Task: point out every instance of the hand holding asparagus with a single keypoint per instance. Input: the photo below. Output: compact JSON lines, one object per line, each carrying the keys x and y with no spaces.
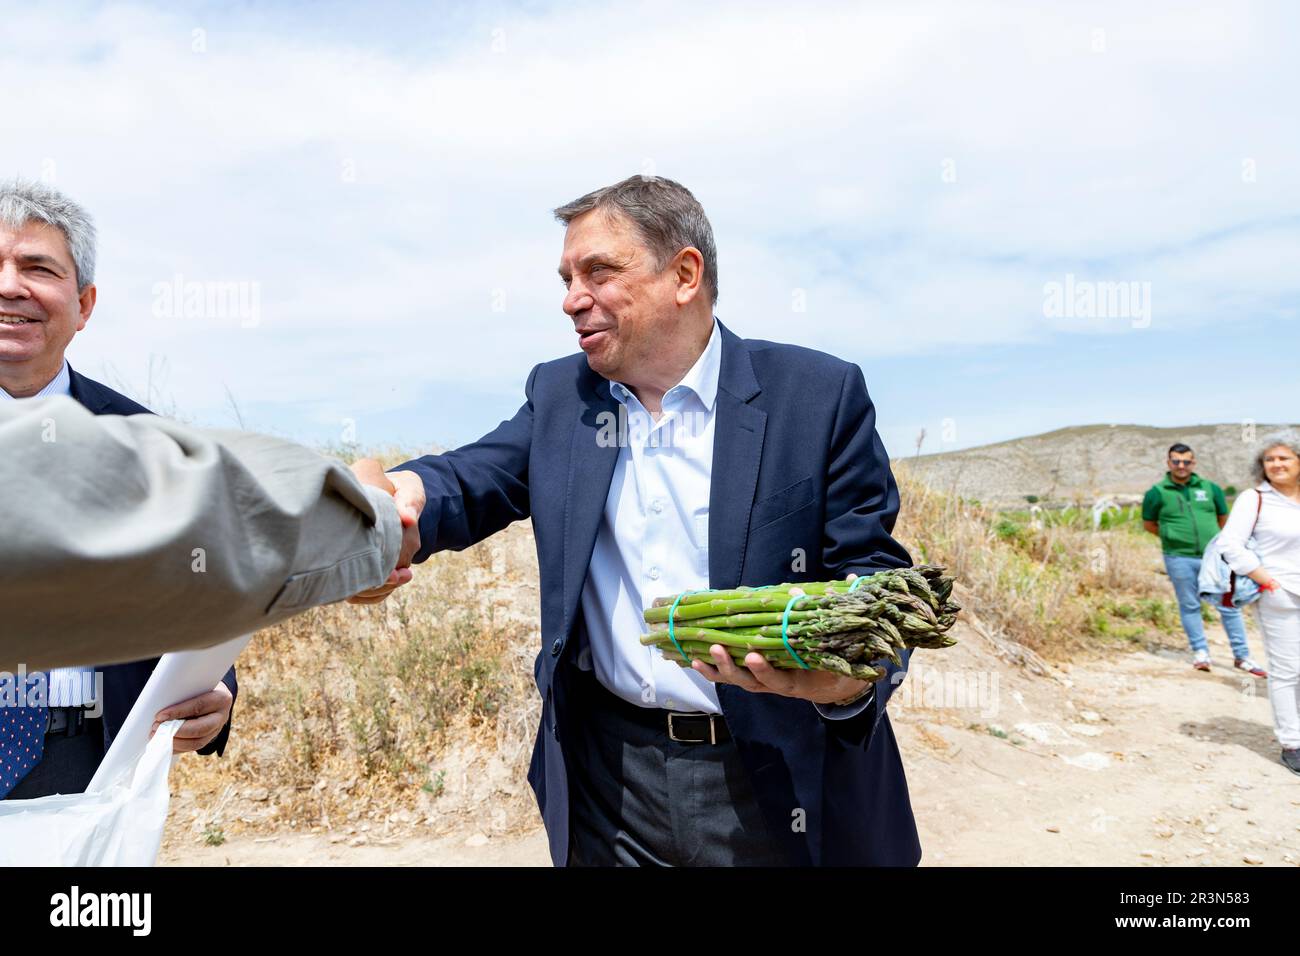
{"x":837,"y":626}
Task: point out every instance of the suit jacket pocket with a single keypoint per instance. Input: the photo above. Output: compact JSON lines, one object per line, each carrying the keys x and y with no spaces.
{"x":780,"y":504}
{"x":308,"y":589}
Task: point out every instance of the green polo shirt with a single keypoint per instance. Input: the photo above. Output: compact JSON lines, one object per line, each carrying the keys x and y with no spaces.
{"x":1188,"y":514}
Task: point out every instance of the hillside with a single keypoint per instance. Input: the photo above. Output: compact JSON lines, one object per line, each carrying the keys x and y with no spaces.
{"x":1084,"y":462}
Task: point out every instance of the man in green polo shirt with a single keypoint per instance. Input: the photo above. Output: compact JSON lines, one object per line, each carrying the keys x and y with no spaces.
{"x":1185,"y":511}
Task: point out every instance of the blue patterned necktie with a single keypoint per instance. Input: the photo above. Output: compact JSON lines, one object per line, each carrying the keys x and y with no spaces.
{"x":22,"y":730}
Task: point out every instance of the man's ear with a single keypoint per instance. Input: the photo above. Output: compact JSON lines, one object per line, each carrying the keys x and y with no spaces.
{"x":86,"y":302}
{"x":688,"y":269}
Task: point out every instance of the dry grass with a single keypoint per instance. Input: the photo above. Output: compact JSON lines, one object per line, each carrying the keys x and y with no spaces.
{"x":349,"y":713}
{"x":1053,"y":586}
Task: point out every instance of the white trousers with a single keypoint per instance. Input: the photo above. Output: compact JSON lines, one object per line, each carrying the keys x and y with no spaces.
{"x":1278,"y":616}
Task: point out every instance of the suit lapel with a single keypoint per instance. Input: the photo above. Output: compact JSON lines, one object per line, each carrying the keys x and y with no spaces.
{"x":86,"y":393}
{"x":592,"y":457}
{"x":737,"y":450}
{"x":738,"y":432}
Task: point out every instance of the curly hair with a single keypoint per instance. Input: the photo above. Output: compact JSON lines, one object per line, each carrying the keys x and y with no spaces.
{"x":1287,"y":438}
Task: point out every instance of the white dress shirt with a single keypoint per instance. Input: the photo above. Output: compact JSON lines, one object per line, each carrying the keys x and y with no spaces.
{"x":653,"y":541}
{"x":68,"y":686}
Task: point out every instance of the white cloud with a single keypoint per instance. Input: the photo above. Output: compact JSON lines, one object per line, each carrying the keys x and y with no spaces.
{"x":384,"y":198}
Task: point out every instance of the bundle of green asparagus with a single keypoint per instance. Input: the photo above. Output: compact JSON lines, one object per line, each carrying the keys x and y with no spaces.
{"x":839,"y":626}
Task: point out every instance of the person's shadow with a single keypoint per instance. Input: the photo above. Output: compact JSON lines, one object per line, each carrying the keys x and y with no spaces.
{"x":1248,"y":734}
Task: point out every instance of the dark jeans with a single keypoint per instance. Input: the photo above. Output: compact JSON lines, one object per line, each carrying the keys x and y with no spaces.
{"x":638,"y":798}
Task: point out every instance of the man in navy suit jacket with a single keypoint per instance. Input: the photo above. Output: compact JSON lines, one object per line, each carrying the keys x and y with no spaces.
{"x":47,"y":294}
{"x":799,"y":489}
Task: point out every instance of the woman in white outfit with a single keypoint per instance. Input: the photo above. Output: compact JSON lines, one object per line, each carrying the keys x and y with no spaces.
{"x":1274,"y":565}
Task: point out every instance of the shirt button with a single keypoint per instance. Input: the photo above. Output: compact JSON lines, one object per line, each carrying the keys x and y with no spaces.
{"x":654,"y":574}
{"x":555,"y":647}
{"x":670,"y":704}
{"x":658,"y":506}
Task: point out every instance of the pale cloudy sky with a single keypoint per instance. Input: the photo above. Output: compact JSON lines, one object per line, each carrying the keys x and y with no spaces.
{"x":895,"y":183}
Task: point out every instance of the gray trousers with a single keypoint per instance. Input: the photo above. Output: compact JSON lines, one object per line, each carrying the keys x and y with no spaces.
{"x":638,"y":798}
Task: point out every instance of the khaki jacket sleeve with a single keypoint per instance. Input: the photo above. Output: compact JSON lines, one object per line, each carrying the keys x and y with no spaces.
{"x":122,"y":538}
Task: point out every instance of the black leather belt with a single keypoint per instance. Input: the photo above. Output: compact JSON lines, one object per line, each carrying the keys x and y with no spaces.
{"x":683,"y":727}
{"x":68,"y":721}
{"x":688,"y":728}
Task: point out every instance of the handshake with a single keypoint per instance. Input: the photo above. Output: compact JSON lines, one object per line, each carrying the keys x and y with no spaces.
{"x":408,"y":494}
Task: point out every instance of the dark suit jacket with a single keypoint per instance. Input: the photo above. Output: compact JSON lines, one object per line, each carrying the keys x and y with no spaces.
{"x":123,"y":682}
{"x":797,"y":463}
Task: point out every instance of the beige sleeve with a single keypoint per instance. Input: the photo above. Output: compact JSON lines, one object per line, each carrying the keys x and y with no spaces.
{"x":125,"y":537}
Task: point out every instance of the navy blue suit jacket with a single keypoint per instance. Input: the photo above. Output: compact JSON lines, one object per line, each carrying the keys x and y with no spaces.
{"x":123,"y":682}
{"x":797,"y":463}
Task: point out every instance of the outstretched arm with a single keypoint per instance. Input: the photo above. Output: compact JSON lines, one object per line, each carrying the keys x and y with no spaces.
{"x":131,"y":536}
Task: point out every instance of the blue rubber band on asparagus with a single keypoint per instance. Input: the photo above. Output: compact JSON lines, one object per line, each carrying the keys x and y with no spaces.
{"x":785,"y":623}
{"x":671,"y":635}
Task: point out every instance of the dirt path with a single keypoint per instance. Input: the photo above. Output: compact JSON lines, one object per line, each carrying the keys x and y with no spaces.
{"x":1139,"y":761}
{"x":315,"y":849}
{"x":1134,"y":761}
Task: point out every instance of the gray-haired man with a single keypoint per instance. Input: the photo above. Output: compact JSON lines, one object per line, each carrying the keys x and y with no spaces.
{"x":47,"y":295}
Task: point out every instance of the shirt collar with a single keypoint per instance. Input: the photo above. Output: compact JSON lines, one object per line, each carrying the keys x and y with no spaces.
{"x":61,"y":384}
{"x":701,"y":380}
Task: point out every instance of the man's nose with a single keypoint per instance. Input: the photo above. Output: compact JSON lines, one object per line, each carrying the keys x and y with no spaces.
{"x":577,"y":298}
{"x":11,"y":285}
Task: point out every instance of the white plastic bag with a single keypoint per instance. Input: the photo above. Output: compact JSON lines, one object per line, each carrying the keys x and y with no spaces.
{"x":120,"y":824}
{"x":119,"y":820}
